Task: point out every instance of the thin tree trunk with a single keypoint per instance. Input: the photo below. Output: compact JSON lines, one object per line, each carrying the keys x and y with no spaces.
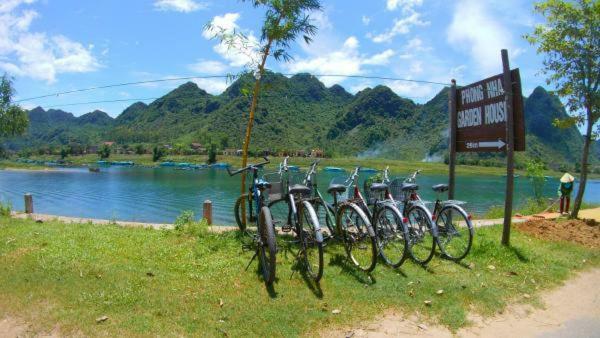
{"x":584,"y":165}
{"x":255,"y":93}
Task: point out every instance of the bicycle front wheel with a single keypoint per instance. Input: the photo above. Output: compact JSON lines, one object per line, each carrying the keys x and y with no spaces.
{"x":237,"y":210}
{"x":455,"y":232}
{"x":267,"y":248}
{"x":391,"y":235}
{"x":358,"y":235}
{"x":311,"y":240}
{"x":420,"y":234}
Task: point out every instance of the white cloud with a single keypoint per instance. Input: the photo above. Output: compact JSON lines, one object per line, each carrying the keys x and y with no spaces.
{"x":401,"y":26}
{"x":35,"y":54}
{"x":208,"y":67}
{"x":213,"y":86}
{"x":366,"y":20}
{"x":406,"y":5}
{"x":477,"y":32}
{"x":346,"y":60}
{"x":185,"y":6}
{"x":238,"y":51}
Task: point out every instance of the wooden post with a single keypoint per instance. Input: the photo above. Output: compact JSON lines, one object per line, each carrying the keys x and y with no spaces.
{"x":510,"y":147}
{"x":452,"y":145}
{"x":207,"y":211}
{"x":28,"y":203}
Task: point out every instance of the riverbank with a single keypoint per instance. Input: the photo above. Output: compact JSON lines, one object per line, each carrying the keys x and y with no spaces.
{"x":105,"y":280}
{"x":396,"y":166}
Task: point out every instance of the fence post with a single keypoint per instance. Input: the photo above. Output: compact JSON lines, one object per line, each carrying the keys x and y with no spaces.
{"x":207,"y":212}
{"x":28,"y":203}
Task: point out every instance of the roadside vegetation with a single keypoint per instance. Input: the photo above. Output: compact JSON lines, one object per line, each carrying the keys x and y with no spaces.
{"x":188,"y":281}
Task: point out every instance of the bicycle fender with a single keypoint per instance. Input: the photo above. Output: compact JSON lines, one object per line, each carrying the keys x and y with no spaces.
{"x":313,"y":215}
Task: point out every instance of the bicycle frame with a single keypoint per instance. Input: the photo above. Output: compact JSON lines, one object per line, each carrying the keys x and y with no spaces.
{"x":254,"y":190}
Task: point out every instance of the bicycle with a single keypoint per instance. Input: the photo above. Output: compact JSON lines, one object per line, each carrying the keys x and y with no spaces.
{"x":300,"y":217}
{"x":264,"y":240}
{"x":452,"y":223}
{"x":345,"y":220}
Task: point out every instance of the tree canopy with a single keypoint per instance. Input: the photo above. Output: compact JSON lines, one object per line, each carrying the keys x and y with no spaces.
{"x":13,"y":119}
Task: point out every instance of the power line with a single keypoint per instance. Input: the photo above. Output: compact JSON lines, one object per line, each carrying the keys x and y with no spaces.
{"x":220,"y":76}
{"x":104,"y":101}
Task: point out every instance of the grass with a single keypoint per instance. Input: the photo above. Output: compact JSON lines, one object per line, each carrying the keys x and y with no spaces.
{"x":171,"y":283}
{"x":396,"y":166}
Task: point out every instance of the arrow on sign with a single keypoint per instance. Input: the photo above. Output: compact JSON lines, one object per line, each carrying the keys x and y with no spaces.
{"x":492,"y":144}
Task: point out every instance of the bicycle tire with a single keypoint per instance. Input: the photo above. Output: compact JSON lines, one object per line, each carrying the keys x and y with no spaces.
{"x":311,"y":240}
{"x":448,"y":231}
{"x":237,"y":210}
{"x":267,"y":246}
{"x":392,"y":235}
{"x":419,"y":226}
{"x":357,"y":231}
{"x":321,"y":208}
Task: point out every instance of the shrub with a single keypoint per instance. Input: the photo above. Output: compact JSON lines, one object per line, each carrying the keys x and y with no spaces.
{"x":185,"y":224}
{"x":5,"y":209}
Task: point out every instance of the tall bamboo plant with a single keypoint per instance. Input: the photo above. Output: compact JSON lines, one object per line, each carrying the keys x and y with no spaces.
{"x":284,"y":22}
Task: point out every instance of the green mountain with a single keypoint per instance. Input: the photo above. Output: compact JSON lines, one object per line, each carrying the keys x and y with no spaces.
{"x":299,"y":113}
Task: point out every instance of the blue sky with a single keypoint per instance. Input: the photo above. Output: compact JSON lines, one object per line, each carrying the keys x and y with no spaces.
{"x":58,"y":45}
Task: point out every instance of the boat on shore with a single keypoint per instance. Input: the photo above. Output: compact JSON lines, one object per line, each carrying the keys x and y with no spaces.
{"x":334,"y":169}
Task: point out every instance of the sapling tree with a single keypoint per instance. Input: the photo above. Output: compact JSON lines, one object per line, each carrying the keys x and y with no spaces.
{"x":570,"y":43}
{"x":284,"y":22}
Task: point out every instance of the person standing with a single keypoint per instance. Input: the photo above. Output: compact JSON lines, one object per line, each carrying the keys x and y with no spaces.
{"x":564,"y":192}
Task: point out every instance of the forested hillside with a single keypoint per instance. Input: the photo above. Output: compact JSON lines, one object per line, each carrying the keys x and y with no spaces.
{"x":297,"y":113}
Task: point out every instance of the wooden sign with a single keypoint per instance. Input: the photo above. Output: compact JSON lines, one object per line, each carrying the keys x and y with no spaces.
{"x":481,"y":115}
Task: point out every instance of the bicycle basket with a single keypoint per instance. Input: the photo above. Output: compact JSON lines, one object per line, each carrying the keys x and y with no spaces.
{"x":277,"y":191}
{"x":371,"y":196}
{"x":395,"y":187}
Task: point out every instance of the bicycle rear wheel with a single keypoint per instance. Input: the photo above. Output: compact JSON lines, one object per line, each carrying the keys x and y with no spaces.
{"x":311,"y":241}
{"x":420,"y":234}
{"x":358,"y":235}
{"x":455,"y":232}
{"x":391,"y":235}
{"x":267,"y":248}
{"x":237,"y":210}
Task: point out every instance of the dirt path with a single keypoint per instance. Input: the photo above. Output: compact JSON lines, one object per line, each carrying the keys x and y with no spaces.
{"x":572,"y":310}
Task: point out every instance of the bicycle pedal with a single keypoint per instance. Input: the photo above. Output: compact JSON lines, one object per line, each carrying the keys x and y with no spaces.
{"x":286,"y":228}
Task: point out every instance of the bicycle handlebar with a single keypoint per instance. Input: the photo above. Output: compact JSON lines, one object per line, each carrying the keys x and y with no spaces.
{"x":250,"y":166}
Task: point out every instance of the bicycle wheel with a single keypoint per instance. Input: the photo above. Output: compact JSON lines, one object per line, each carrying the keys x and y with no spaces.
{"x":358,"y":235}
{"x":420,"y":235}
{"x":455,"y":232}
{"x":237,"y":210}
{"x":311,"y":241}
{"x":281,"y":213}
{"x":321,"y":209}
{"x":391,"y":235}
{"x":267,"y":248}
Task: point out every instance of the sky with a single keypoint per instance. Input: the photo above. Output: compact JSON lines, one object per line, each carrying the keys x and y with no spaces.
{"x":51,"y":46}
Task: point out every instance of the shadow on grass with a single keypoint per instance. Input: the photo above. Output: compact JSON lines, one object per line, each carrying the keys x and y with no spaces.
{"x":519,"y":254}
{"x":350,"y":269}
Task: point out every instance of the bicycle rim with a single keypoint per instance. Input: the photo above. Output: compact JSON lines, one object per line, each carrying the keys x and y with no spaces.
{"x":360,"y":245}
{"x":312,"y":242}
{"x":391,"y":236}
{"x":455,"y":233}
{"x":422,"y":241}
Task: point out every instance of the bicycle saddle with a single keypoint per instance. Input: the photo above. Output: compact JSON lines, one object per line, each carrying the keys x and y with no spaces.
{"x":299,"y":189}
{"x":409,"y":187}
{"x":375,"y":187}
{"x":440,"y":187}
{"x":336,"y":188}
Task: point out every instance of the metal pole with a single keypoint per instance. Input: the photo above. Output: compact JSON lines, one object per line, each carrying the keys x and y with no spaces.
{"x":28,"y":203}
{"x":510,"y":146}
{"x":452,"y":145}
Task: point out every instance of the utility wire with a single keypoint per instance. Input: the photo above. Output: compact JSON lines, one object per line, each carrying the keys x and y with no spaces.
{"x":219,"y":76}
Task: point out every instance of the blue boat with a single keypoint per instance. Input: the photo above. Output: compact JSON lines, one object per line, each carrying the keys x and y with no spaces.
{"x":293,"y":168}
{"x":122,"y":163}
{"x":368,"y":170}
{"x":183,"y":165}
{"x":198,"y":166}
{"x":334,"y":169}
{"x":220,"y":165}
{"x":102,"y":162}
{"x":167,"y":164}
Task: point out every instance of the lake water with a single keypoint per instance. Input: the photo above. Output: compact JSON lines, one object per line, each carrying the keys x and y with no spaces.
{"x":160,"y":194}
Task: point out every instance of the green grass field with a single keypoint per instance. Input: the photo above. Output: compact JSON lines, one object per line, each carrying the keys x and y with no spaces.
{"x":396,"y":166}
{"x":172,"y":283}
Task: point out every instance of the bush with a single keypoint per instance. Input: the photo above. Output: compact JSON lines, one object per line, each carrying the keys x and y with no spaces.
{"x":185,"y":224}
{"x":5,"y":209}
{"x":212,"y":154}
{"x":104,"y":152}
{"x":158,"y":152}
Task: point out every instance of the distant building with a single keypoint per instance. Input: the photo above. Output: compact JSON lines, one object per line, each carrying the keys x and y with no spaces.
{"x":230,"y":152}
{"x":196,"y":146}
{"x":300,"y":153}
{"x":317,"y":153}
{"x":108,"y":143}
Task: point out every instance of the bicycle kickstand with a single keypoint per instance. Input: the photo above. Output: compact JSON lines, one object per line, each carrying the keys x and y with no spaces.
{"x":251,"y":260}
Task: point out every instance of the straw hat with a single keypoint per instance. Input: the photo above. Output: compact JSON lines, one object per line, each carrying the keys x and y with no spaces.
{"x":566,"y":178}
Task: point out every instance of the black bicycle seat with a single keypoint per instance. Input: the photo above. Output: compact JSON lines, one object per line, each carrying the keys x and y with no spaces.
{"x":299,"y":189}
{"x":409,"y":187}
{"x":336,"y":188}
{"x":375,"y":187}
{"x":440,"y":187}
